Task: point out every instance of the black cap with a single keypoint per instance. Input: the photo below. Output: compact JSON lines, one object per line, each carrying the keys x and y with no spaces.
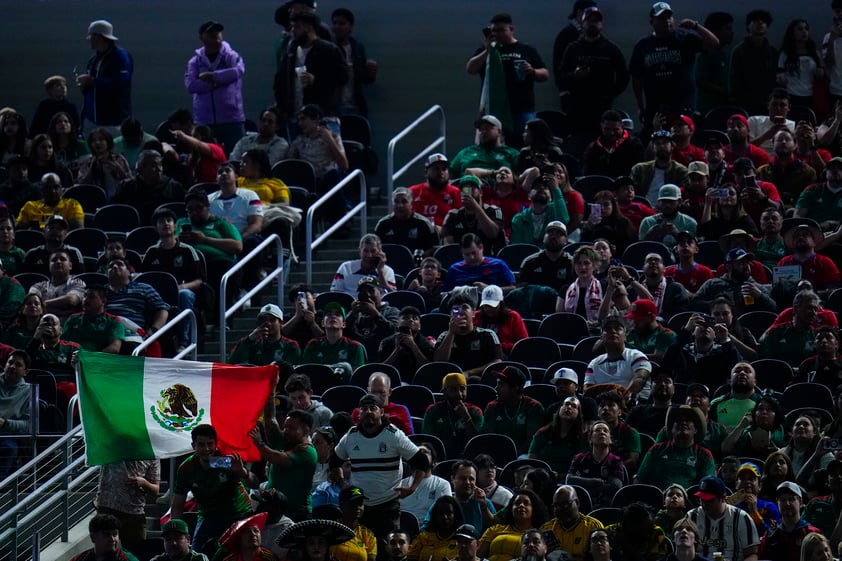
{"x":351,"y":494}
{"x":371,"y":399}
{"x":698,"y":387}
{"x":513,"y":376}
{"x":580,"y":5}
{"x":210,"y":27}
{"x":467,"y":531}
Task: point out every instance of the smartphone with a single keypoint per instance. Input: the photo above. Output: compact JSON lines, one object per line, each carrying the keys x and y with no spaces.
{"x":187,"y":228}
{"x":779,"y":120}
{"x":596,"y":210}
{"x":220,"y":462}
{"x":467,"y":190}
{"x":456,"y":311}
{"x":302,"y":297}
{"x":722,"y":193}
{"x":709,"y":322}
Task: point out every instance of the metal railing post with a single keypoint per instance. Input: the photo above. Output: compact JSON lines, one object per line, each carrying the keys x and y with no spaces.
{"x":173,"y":323}
{"x":224,"y":313}
{"x":361,"y":207}
{"x":441,"y":141}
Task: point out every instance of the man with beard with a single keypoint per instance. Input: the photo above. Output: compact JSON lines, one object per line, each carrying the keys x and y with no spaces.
{"x":436,"y":197}
{"x":802,"y":236}
{"x":552,"y":266}
{"x":666,"y":224}
{"x":719,"y":170}
{"x":453,"y":420}
{"x":320,"y":81}
{"x":687,"y":272}
{"x":375,"y":448}
{"x":669,"y":296}
{"x":399,"y":545}
{"x":372,"y":263}
{"x":737,"y":285}
{"x":729,"y":409}
{"x":615,"y":150}
{"x":647,"y":334}
{"x":679,"y":460}
{"x":793,"y":342}
{"x":490,"y":153}
{"x":593,"y":70}
{"x":785,"y":170}
{"x":738,"y":142}
{"x":662,"y":63}
{"x":702,"y":352}
{"x":651,"y":175}
{"x":569,"y":527}
{"x":649,"y":418}
{"x":149,"y":188}
{"x":784,"y":542}
{"x":405,"y":226}
{"x":533,"y":547}
{"x":266,"y":138}
{"x":681,"y":130}
{"x":177,"y":544}
{"x":37,"y":259}
{"x":474,"y":217}
{"x":822,"y":201}
{"x":723,"y":527}
{"x":529,"y":225}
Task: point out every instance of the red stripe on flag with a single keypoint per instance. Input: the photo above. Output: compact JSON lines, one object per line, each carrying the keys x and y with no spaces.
{"x":238,"y":394}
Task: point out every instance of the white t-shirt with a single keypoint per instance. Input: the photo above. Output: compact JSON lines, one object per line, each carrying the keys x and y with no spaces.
{"x":834,"y":72}
{"x":621,"y":372}
{"x":800,"y":83}
{"x":759,"y":124}
{"x":238,"y":208}
{"x":427,"y":492}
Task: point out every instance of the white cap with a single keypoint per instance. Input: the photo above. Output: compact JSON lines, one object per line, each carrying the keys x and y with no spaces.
{"x":565,"y":374}
{"x":492,"y":295}
{"x":271,"y":310}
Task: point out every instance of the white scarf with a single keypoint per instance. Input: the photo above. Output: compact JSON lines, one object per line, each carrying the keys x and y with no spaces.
{"x":658,"y":293}
{"x":593,"y":300}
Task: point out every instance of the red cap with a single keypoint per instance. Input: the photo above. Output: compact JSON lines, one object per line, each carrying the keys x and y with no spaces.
{"x":687,"y":121}
{"x":737,"y":116}
{"x":642,"y":309}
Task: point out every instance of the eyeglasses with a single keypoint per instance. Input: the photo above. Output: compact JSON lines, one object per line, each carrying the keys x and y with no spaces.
{"x":599,"y":539}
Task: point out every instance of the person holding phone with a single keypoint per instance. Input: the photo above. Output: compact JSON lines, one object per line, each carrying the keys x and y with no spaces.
{"x":220,"y":492}
{"x":407,"y":349}
{"x":763,"y":128}
{"x":472,"y":348}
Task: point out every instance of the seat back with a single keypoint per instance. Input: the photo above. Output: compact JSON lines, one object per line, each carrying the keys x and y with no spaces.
{"x":342,"y":398}
{"x":536,"y":351}
{"x":399,"y":257}
{"x":356,"y":128}
{"x":635,"y":254}
{"x":401,"y":298}
{"x":91,"y":197}
{"x":542,"y":393}
{"x":434,"y":324}
{"x":564,"y":327}
{"x":164,"y":283}
{"x":430,"y":375}
{"x":361,"y":375}
{"x":498,"y":446}
{"x":142,"y":238}
{"x":296,"y":172}
{"x":430,"y":440}
{"x":590,"y":185}
{"x":90,"y":241}
{"x":344,"y":300}
{"x":116,"y":218}
{"x":27,"y":239}
{"x":481,"y":395}
{"x":514,"y":254}
{"x":448,"y":254}
{"x":416,"y":398}
{"x":506,"y":476}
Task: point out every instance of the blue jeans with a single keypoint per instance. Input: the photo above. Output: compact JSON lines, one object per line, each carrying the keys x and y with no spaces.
{"x":186,"y":301}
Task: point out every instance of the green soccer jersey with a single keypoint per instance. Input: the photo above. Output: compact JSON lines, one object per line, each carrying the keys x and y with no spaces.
{"x":219,"y":493}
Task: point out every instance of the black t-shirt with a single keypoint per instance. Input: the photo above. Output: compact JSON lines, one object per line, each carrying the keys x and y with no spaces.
{"x":182,"y":262}
{"x":415,"y":233}
{"x":665,"y":64}
{"x":521,"y":91}
{"x":457,"y":223}
{"x":477,"y":348}
{"x":405,"y":361}
{"x":539,"y":269}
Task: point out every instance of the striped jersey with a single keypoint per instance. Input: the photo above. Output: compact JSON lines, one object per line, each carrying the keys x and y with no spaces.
{"x":731,"y":534}
{"x":376,"y":461}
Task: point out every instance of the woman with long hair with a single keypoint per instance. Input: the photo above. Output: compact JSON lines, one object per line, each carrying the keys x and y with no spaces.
{"x":539,"y":144}
{"x":502,"y":542}
{"x":573,"y":199}
{"x":806,"y":451}
{"x":105,"y":167}
{"x":437,"y":539}
{"x":11,"y":256}
{"x":778,"y":468}
{"x":598,"y":470}
{"x":256,"y":174}
{"x":605,"y":251}
{"x":43,"y":160}
{"x":760,"y":431}
{"x":637,"y":537}
{"x":68,"y":147}
{"x":723,"y":213}
{"x":493,"y":314}
{"x":799,"y":63}
{"x":20,"y":332}
{"x":816,"y":547}
{"x":505,"y":191}
{"x":558,"y":442}
{"x":13,"y":140}
{"x":542,"y":482}
{"x":584,"y":295}
{"x":608,"y":223}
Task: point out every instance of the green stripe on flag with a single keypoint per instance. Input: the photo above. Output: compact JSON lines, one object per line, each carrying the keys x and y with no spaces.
{"x":112,"y":407}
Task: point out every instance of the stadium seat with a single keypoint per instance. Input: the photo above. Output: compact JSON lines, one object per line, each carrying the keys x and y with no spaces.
{"x":91,"y":197}
{"x":649,"y":495}
{"x":430,"y":375}
{"x":142,"y":238}
{"x":564,"y":327}
{"x":416,"y":398}
{"x":116,"y":218}
{"x":361,"y":375}
{"x":514,"y":254}
{"x":635,"y":254}
{"x":342,"y":398}
{"x":498,"y":446}
{"x":401,"y":298}
{"x":399,"y":257}
{"x":164,"y":283}
{"x":433,"y":441}
{"x":90,"y":241}
{"x":481,"y":395}
{"x":536,"y":351}
{"x":506,"y":474}
{"x":296,"y":172}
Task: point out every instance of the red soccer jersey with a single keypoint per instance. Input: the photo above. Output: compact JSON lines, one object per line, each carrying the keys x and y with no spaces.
{"x":690,"y":154}
{"x":692,"y":279}
{"x":636,"y":212}
{"x":818,"y":269}
{"x":435,"y":204}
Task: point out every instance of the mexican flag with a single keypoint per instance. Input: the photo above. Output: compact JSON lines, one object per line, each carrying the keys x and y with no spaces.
{"x":494,"y":97}
{"x":139,"y":408}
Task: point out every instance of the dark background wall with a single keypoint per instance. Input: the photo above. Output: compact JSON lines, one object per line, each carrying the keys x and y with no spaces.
{"x":421,"y":48}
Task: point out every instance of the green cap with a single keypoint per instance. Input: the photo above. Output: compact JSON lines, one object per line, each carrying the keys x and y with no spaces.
{"x":335,"y":307}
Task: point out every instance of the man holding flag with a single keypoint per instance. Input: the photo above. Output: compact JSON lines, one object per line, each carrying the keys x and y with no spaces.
{"x":165,"y":408}
{"x":509,"y":69}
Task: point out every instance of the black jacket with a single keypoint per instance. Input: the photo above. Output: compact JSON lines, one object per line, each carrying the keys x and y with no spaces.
{"x":326,"y":62}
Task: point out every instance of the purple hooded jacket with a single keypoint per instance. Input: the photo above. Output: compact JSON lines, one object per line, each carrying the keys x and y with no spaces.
{"x":220,"y":101}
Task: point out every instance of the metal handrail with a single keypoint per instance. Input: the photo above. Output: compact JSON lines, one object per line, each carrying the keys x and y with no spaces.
{"x":361,"y":207}
{"x":171,"y":324}
{"x":223,"y":285}
{"x":391,"y":174}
